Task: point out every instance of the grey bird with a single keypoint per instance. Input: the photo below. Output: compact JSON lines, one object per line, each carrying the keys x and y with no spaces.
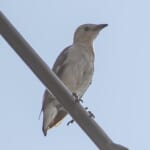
{"x":75,"y":67}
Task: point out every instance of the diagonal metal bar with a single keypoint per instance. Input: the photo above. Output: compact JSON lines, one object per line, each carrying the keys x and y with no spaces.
{"x":50,"y":80}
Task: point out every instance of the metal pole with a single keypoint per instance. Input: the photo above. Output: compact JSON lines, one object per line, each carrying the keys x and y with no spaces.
{"x":52,"y":82}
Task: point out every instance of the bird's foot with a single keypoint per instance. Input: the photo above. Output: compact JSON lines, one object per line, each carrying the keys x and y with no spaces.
{"x":77,"y":99}
{"x":70,"y":122}
{"x":91,"y":115}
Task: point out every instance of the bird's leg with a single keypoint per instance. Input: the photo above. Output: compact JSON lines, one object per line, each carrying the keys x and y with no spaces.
{"x":91,"y":115}
{"x":77,"y":99}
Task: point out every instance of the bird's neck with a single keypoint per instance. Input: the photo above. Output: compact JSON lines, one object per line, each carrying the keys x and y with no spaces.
{"x":86,"y":46}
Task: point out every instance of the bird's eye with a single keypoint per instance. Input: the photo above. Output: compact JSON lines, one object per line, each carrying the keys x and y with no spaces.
{"x":86,"y":29}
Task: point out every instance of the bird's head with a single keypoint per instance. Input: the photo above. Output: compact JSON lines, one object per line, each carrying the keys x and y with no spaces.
{"x":86,"y":33}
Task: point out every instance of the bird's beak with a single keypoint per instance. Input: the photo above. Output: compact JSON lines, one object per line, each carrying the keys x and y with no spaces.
{"x":100,"y":26}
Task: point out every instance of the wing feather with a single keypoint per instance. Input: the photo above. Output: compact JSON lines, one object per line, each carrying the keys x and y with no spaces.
{"x":60,"y":65}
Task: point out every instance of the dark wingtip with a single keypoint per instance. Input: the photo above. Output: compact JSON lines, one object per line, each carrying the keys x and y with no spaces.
{"x":44,"y":131}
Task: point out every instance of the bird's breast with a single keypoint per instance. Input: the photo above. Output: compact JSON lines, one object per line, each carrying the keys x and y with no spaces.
{"x":78,"y":71}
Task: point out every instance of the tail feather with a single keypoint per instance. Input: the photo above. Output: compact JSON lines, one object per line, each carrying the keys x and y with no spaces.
{"x":49,"y":114}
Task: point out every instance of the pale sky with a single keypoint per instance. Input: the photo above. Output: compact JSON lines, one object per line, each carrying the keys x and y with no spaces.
{"x":120,"y":93}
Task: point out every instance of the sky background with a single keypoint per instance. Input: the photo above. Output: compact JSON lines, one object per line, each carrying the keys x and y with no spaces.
{"x":120,"y":93}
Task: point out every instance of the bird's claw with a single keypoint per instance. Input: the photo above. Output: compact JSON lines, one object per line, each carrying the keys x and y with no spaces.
{"x":77,"y":99}
{"x":70,"y":122}
{"x":91,"y":115}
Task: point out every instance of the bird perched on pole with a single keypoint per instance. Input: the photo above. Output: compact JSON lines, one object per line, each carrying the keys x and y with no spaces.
{"x":75,"y":67}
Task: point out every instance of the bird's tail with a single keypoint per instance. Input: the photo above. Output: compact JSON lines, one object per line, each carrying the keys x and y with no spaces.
{"x":49,"y":114}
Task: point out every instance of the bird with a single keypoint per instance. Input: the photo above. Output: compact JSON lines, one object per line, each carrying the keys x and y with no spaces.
{"x":74,"y":67}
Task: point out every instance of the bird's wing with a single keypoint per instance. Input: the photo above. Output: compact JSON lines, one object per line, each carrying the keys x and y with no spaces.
{"x":58,"y":68}
{"x":48,"y":97}
{"x":60,"y":116}
{"x":60,"y":62}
